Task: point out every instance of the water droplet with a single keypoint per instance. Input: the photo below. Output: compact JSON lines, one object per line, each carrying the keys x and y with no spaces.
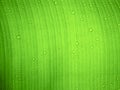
{"x":55,"y":2}
{"x":111,"y":84}
{"x":117,"y":78}
{"x":97,"y":39}
{"x":77,"y":43}
{"x":18,"y":36}
{"x":91,"y":30}
{"x":77,"y":89}
{"x":13,"y":82}
{"x":103,"y":85}
{"x":82,"y":19}
{"x":91,"y":5}
{"x":91,"y":47}
{"x":44,"y":52}
{"x":84,"y":4}
{"x":22,"y":7}
{"x":39,"y":1}
{"x":73,"y":51}
{"x":30,"y":22}
{"x":33,"y":58}
{"x":105,"y":18}
{"x":16,"y":76}
{"x":73,"y":12}
{"x":9,"y":10}
{"x":87,"y":16}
